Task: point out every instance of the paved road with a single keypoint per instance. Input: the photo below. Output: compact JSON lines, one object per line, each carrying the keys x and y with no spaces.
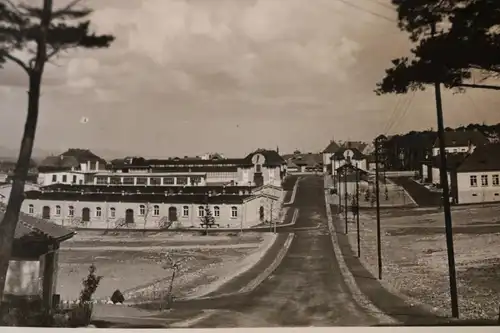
{"x":307,"y":289}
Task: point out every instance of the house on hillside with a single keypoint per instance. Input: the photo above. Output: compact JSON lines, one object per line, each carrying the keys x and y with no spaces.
{"x":460,"y":142}
{"x":32,"y":271}
{"x":477,"y":179}
{"x":71,"y":167}
{"x":327,"y":154}
{"x":348,"y":155}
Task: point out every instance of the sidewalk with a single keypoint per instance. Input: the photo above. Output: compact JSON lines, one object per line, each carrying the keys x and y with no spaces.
{"x":371,"y":287}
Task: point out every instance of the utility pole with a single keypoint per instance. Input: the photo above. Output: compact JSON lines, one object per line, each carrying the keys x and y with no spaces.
{"x":377,"y":196}
{"x":345,"y":197}
{"x":446,"y":195}
{"x":357,"y":211}
{"x":339,"y":191}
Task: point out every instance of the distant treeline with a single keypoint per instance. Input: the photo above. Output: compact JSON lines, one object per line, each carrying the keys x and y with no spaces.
{"x":407,"y":151}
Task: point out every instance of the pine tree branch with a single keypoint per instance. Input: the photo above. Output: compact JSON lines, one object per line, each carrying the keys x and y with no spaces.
{"x":478,"y":86}
{"x":16,"y":60}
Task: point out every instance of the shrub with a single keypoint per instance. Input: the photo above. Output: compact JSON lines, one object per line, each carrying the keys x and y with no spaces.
{"x":117,"y":297}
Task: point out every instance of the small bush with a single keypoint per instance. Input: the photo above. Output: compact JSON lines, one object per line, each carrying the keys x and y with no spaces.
{"x":117,"y":297}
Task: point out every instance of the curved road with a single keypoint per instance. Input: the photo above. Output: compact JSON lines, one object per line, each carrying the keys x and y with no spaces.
{"x":307,"y":289}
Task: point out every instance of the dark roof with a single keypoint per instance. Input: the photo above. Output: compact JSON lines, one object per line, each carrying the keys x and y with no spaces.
{"x":331,"y":148}
{"x":150,"y":198}
{"x":29,"y":227}
{"x":484,"y":158}
{"x":273,"y":158}
{"x":144,"y":189}
{"x":58,"y":163}
{"x":82,"y":155}
{"x":354,"y":144}
{"x":463,"y":138}
{"x":453,"y":161}
{"x":307,"y":159}
{"x":175,"y":164}
{"x":351,"y":168}
{"x":339,"y":154}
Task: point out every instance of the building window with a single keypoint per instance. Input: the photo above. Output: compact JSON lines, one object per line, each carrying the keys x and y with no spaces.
{"x":71,"y":211}
{"x":142,"y":181}
{"x":101,"y":180}
{"x":473,"y":181}
{"x":98,"y":212}
{"x":155,"y":181}
{"x":58,"y":210}
{"x":31,"y":209}
{"x":156,"y":210}
{"x":216,"y":211}
{"x":116,"y":180}
{"x":495,"y":180}
{"x":484,"y":180}
{"x":201,"y":211}
{"x":54,"y":178}
{"x":182,"y":180}
{"x":112,"y":212}
{"x":64,"y":178}
{"x":185,"y":211}
{"x":128,"y":180}
{"x":168,"y":181}
{"x":195,"y":180}
{"x":74,"y":179}
{"x":142,"y":210}
{"x":234,"y":211}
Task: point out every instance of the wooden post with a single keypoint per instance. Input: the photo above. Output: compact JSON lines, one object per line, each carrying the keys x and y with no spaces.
{"x":49,"y":274}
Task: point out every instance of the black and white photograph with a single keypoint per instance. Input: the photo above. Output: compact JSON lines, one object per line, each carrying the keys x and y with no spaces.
{"x":187,"y":164}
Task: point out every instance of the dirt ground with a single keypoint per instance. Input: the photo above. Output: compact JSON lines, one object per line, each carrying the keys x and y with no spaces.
{"x":415,"y":258}
{"x":133,"y":263}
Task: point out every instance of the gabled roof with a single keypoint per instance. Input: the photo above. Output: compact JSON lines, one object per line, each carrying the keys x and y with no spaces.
{"x":354,"y":144}
{"x":462,"y":139}
{"x":331,"y":148}
{"x":29,"y":227}
{"x":272,"y":157}
{"x":453,"y":161}
{"x":339,"y":155}
{"x":484,"y":158}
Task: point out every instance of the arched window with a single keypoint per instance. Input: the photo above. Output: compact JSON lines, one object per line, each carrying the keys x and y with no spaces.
{"x":234,"y":211}
{"x":71,"y":211}
{"x":31,"y":209}
{"x":156,"y":210}
{"x":98,"y":212}
{"x":216,"y":211}
{"x":185,"y":211}
{"x":112,"y":212}
{"x":201,"y":211}
{"x":142,"y":210}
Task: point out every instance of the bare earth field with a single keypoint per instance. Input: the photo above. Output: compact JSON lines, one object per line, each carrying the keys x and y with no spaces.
{"x":415,"y":260}
{"x":133,"y":263}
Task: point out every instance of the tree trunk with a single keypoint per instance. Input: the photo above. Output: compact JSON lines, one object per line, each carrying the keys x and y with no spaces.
{"x":11,"y":216}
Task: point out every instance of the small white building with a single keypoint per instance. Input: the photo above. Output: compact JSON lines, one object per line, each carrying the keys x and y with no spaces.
{"x":477,"y":179}
{"x":460,"y":142}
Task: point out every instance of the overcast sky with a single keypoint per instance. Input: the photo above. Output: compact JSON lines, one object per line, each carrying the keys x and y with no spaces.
{"x":186,"y":77}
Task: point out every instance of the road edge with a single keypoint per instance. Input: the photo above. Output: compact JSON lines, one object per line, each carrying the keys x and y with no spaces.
{"x":349,"y":279}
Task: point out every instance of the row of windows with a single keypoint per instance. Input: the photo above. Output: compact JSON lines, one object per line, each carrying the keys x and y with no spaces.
{"x":143,"y":211}
{"x":64,"y":178}
{"x":103,"y":180}
{"x":495,"y":180}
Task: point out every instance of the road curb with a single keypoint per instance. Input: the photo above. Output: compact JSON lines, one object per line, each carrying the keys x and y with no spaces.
{"x":349,"y":279}
{"x":294,"y":193}
{"x":270,"y":269}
